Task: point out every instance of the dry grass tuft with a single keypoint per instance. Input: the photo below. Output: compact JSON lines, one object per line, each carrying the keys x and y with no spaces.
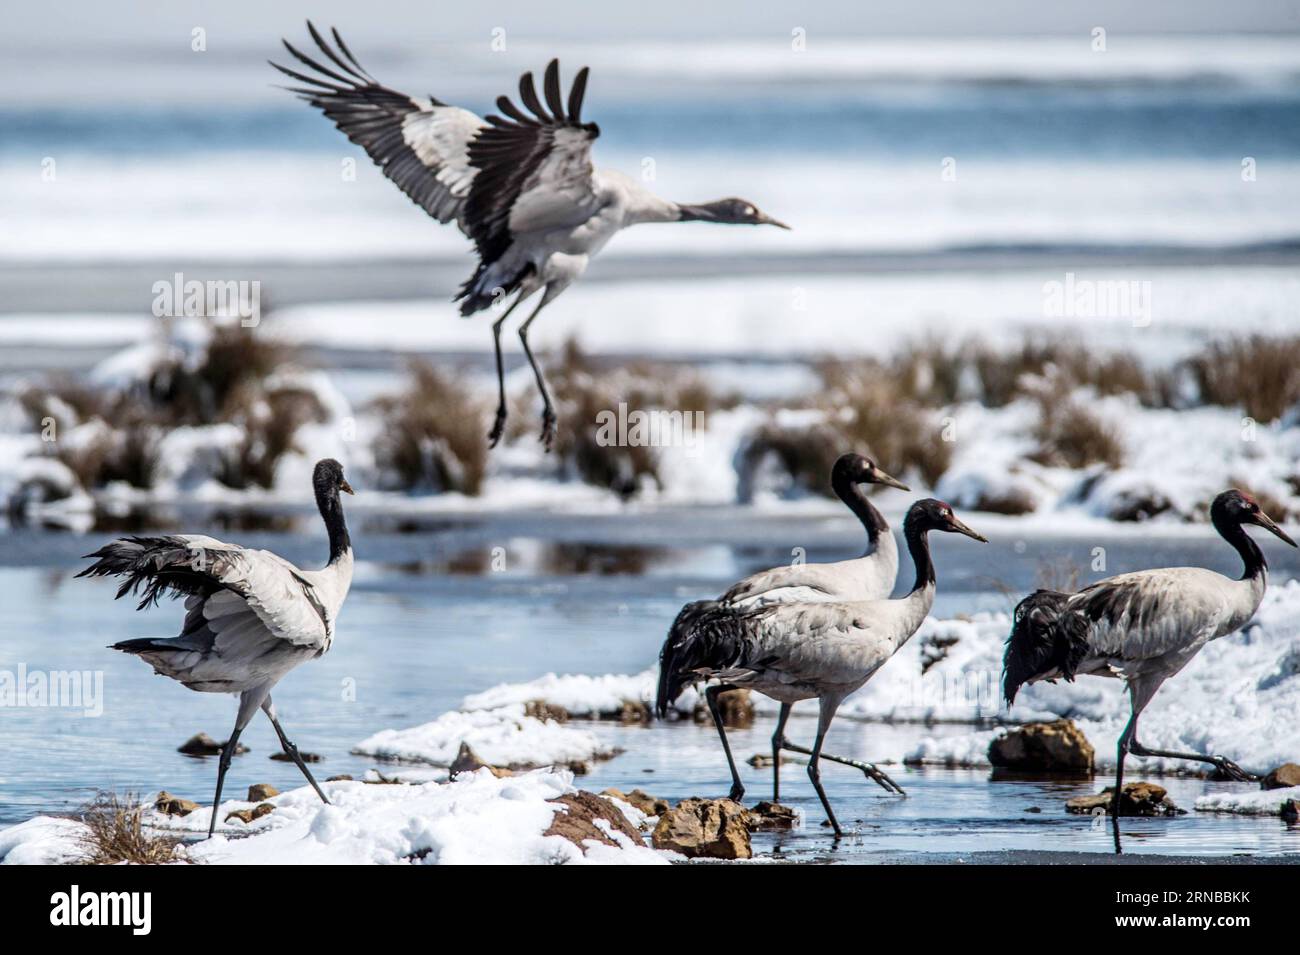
{"x":434,"y":436}
{"x":873,"y":412}
{"x":114,"y":834}
{"x":1259,"y":374}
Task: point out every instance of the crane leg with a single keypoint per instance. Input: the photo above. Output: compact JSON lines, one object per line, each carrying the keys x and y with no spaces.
{"x":548,"y":409}
{"x":1122,"y":750}
{"x":291,"y":750}
{"x":778,"y":740}
{"x":814,"y":772}
{"x":870,"y":770}
{"x":249,"y":701}
{"x":1226,"y":766}
{"x":499,"y":426}
{"x":227,"y":751}
{"x":711,"y":696}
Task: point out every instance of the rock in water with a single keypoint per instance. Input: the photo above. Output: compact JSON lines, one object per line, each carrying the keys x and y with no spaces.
{"x":306,"y":757}
{"x":769,"y":816}
{"x":1284,"y":777}
{"x":1137,"y":799}
{"x":1058,"y":746}
{"x":705,"y":829}
{"x":201,"y":744}
{"x":259,"y":792}
{"x":170,"y":805}
{"x":735,"y":707}
{"x":576,"y":821}
{"x":248,"y":815}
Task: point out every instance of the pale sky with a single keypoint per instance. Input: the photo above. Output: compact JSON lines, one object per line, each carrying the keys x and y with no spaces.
{"x":148,"y":22}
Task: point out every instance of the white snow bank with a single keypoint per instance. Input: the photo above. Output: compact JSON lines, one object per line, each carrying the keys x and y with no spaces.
{"x":1266,"y":802}
{"x":477,"y":819}
{"x":44,"y":840}
{"x":1240,"y":696}
{"x":587,"y":697}
{"x":502,"y":736}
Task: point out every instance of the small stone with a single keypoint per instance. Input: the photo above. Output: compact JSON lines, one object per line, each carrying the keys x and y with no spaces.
{"x":1284,"y":777}
{"x":1137,"y":799}
{"x":284,"y":757}
{"x":576,"y":821}
{"x":705,"y":828}
{"x":170,"y":805}
{"x":1055,"y":746}
{"x":201,"y":744}
{"x":764,"y":760}
{"x":633,"y":711}
{"x":468,"y":761}
{"x":541,"y":710}
{"x":258,"y":792}
{"x":639,"y":799}
{"x":735,"y":707}
{"x":339,"y":778}
{"x":248,"y":815}
{"x":769,"y":817}
{"x":1033,"y":809}
{"x":1291,"y":812}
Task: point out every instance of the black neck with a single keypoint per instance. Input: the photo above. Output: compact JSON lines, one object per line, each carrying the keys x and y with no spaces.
{"x":852,"y":494}
{"x":696,"y":213}
{"x":918,"y":545}
{"x":1252,"y":558}
{"x":331,"y":510}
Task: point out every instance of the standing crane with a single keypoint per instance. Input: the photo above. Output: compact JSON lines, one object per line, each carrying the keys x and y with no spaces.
{"x":520,"y":185}
{"x":801,"y":651}
{"x":1142,"y":627}
{"x":250,"y":615}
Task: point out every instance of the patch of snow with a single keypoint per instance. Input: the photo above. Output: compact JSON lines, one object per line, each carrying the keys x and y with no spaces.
{"x":502,"y":736}
{"x":1265,"y":802}
{"x":477,"y":819}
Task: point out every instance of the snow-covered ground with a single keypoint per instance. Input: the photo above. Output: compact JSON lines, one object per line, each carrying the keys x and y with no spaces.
{"x":475,"y":819}
{"x":501,"y":736}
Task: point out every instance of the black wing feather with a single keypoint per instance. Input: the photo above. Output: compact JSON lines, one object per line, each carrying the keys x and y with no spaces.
{"x":1045,"y":637}
{"x":373,"y":117}
{"x":706,"y":636}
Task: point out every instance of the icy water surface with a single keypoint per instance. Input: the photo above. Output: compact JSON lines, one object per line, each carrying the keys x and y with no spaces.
{"x":430,"y":621}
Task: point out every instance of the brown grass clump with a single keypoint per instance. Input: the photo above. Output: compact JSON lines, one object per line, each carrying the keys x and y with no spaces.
{"x":269,"y":420}
{"x":806,"y":454}
{"x":114,"y":834}
{"x":1071,"y":436}
{"x":872,"y":412}
{"x":581,"y":392}
{"x":433,"y":437}
{"x":1259,"y":374}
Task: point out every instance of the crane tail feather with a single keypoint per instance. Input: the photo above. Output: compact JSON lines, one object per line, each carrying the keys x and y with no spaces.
{"x":1047,"y":639}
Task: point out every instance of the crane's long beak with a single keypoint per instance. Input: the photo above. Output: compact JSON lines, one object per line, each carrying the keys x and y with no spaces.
{"x":345,"y":486}
{"x":880,"y":477}
{"x":1266,"y":522}
{"x":765,"y":219}
{"x":961,"y":528}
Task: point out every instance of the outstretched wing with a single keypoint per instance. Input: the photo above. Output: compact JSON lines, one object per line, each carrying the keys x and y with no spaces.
{"x":422,"y":145}
{"x":533,"y":172}
{"x":226,"y":579}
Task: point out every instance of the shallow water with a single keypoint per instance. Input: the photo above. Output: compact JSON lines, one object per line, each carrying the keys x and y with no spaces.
{"x":430,"y":621}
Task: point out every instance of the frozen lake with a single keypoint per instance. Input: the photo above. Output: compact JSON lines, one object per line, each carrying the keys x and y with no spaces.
{"x":430,"y":621}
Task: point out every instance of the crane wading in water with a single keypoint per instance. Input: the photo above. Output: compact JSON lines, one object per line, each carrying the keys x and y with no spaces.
{"x":250,"y":615}
{"x":1143,"y":627}
{"x":520,"y":185}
